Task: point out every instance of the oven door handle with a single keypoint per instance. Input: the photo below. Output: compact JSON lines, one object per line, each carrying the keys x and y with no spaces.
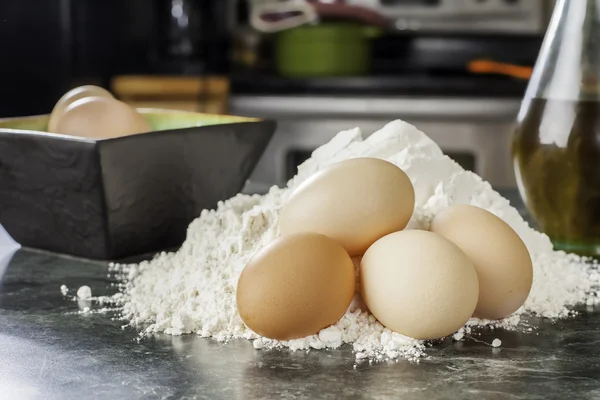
{"x":381,"y":107}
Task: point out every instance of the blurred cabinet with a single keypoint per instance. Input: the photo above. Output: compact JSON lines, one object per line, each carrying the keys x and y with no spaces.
{"x":207,"y":94}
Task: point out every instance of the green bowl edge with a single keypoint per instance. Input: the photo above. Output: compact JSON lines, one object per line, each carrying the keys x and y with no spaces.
{"x":159,"y":120}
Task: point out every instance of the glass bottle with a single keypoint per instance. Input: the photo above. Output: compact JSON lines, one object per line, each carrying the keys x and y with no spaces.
{"x":556,"y":142}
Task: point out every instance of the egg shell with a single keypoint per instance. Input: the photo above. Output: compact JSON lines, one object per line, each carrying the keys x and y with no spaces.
{"x":419,"y":284}
{"x":501,"y":258}
{"x":72,"y":96}
{"x":101,"y":117}
{"x":354,"y":202}
{"x":296,"y":286}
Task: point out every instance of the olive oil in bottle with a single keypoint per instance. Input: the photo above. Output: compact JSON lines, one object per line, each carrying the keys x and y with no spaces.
{"x":556,"y":141}
{"x":556,"y":149}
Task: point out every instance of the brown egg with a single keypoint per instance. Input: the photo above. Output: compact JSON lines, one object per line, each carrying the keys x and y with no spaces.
{"x":354,"y":202}
{"x":72,"y":96}
{"x":501,"y":259}
{"x":296,"y":286}
{"x":100,"y":118}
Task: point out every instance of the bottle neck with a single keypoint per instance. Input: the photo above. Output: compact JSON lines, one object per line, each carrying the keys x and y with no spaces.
{"x":568,"y":64}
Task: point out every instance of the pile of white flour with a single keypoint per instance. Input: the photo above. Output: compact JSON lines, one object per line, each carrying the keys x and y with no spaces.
{"x":193,"y":290}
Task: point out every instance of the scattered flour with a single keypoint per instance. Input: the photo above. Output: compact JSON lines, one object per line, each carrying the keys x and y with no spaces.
{"x":193,"y":290}
{"x":84,"y":293}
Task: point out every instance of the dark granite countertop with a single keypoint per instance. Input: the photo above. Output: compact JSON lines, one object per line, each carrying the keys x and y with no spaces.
{"x":48,"y":350}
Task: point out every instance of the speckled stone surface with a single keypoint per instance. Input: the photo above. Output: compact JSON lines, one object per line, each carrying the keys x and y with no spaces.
{"x":49,"y":350}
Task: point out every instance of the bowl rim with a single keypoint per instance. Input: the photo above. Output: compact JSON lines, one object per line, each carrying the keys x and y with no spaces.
{"x":143,"y":110}
{"x":29,"y":132}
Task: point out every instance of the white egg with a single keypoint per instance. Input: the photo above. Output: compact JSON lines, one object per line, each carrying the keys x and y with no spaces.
{"x":69,"y":98}
{"x":355,"y":202}
{"x":419,"y":284}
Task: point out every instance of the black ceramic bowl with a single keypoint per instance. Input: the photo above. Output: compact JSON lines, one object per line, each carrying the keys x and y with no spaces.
{"x":114,"y":198}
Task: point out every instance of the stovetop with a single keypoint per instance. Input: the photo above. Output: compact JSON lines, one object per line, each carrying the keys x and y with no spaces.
{"x":419,"y":84}
{"x":401,"y":64}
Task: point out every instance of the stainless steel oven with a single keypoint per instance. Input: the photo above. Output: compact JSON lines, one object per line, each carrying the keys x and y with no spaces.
{"x":473,"y":131}
{"x":476,"y":16}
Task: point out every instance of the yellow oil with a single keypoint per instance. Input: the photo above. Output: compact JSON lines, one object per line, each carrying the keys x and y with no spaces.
{"x":556,"y":152}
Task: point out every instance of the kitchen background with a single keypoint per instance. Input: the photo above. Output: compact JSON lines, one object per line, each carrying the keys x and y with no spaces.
{"x":455,"y":68}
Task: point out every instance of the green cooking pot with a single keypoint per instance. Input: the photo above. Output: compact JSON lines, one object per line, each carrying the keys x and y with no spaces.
{"x":326,"y":49}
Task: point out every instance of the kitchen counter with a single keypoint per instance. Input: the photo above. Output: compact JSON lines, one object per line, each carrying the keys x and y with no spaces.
{"x":51,"y":350}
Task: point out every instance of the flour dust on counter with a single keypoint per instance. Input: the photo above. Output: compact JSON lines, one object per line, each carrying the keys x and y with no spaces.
{"x":194,"y":289}
{"x":84,"y":292}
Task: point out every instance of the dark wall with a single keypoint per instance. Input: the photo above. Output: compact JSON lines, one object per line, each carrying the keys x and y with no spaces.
{"x":50,"y":46}
{"x":35,"y":61}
